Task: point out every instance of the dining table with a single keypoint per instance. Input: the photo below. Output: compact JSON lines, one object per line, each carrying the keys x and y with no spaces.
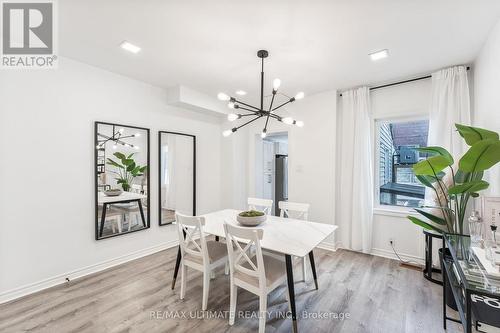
{"x":125,"y":197}
{"x":286,"y":236}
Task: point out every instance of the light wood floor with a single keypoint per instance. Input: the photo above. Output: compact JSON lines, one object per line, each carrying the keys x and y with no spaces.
{"x":378,"y":294}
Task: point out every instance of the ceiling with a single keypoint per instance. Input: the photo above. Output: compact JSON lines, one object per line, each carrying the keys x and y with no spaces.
{"x":314,"y":45}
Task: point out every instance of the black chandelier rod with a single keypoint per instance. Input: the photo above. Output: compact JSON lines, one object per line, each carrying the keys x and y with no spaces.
{"x":234,"y":100}
{"x":242,"y":108}
{"x":262,"y":86}
{"x":248,"y":122}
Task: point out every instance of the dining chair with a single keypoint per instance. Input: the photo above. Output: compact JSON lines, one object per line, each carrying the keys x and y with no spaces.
{"x":298,"y":211}
{"x":198,"y":253}
{"x":265,"y":205}
{"x":131,"y":210}
{"x":259,"y":274}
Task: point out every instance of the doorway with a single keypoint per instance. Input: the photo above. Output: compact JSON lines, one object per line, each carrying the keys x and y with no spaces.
{"x":274,"y":169}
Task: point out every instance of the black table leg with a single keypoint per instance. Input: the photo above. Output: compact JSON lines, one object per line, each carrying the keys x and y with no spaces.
{"x":313,"y":267}
{"x":444,"y":293}
{"x":468,"y":315}
{"x":176,"y":269}
{"x":291,"y":291}
{"x":216,"y":238}
{"x":103,"y":218}
{"x":142,"y":213}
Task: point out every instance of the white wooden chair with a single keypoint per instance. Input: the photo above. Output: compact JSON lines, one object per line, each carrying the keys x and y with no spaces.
{"x":264,"y":205}
{"x":299,"y":211}
{"x":198,"y":253}
{"x":259,"y":275}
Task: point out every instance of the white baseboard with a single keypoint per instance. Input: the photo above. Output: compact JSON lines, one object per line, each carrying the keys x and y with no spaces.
{"x":329,"y":246}
{"x":61,"y":278}
{"x":390,"y":254}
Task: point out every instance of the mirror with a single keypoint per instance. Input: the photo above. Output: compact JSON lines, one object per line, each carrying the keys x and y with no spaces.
{"x":121,"y":179}
{"x":177,"y":167}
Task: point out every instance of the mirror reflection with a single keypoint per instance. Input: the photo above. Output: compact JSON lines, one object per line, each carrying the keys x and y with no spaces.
{"x":122,"y":179}
{"x":177,"y":175}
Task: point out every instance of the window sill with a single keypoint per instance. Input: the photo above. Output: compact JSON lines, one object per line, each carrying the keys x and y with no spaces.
{"x":394,"y":211}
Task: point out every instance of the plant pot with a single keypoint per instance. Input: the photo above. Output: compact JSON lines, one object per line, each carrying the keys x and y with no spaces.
{"x":251,"y":221}
{"x":450,"y":299}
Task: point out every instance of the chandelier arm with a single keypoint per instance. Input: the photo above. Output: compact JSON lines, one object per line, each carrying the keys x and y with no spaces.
{"x":272,"y":101}
{"x":248,"y":122}
{"x":281,"y":105}
{"x":267,"y":120}
{"x":242,"y":108}
{"x":250,"y":106}
{"x":275,"y":116}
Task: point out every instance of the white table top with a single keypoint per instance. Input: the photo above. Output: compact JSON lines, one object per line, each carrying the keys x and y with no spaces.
{"x":102,"y":198}
{"x":284,"y":235}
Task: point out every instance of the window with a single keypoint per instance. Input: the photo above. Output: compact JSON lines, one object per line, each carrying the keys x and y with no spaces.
{"x":396,"y":143}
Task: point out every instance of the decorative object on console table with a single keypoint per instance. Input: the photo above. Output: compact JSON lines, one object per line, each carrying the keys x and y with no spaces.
{"x":454,"y":188}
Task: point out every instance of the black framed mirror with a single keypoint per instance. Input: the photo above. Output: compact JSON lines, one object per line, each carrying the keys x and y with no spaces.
{"x":122,"y":203}
{"x":177,"y":175}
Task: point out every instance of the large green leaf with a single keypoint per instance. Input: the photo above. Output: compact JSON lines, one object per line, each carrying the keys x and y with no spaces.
{"x":432,"y":165}
{"x":131,"y":166}
{"x":130,"y":156}
{"x":472,"y":135}
{"x":437,"y":151}
{"x":113,"y":163}
{"x":473,"y":186}
{"x":423,"y":224}
{"x":128,"y":161}
{"x":481,"y":156}
{"x":119,"y":155}
{"x":433,"y":218}
{"x":425,"y":180}
{"x":463,"y":177}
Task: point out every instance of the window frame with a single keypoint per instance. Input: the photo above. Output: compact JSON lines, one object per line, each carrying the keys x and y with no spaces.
{"x":377,"y":207}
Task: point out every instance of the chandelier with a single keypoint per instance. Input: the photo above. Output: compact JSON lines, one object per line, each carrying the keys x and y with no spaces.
{"x":116,"y":138}
{"x":260,"y":112}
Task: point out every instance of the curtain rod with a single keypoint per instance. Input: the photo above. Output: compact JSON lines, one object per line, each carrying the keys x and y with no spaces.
{"x":401,"y":82}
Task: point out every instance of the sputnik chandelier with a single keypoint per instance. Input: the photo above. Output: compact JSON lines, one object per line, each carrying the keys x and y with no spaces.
{"x":256,"y":112}
{"x":116,"y":139}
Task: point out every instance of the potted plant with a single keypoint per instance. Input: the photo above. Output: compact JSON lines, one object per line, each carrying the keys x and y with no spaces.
{"x":127,"y":169}
{"x":454,"y":185}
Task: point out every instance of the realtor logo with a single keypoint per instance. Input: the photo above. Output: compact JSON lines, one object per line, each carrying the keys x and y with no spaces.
{"x":28,"y":35}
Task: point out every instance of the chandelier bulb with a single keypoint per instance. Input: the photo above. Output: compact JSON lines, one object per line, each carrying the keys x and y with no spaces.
{"x":233,"y":116}
{"x":263,"y":134}
{"x":223,"y":97}
{"x":227,"y":133}
{"x":276,"y":84}
{"x":299,"y":123}
{"x":299,"y":95}
{"x":287,"y":120}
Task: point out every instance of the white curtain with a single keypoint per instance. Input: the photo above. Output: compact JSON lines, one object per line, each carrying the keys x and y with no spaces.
{"x":355,"y":170}
{"x":450,"y":104}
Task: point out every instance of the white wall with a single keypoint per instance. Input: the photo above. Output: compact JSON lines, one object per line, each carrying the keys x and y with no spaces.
{"x":410,"y":100}
{"x":47,"y":172}
{"x":487,"y":95}
{"x":311,"y":157}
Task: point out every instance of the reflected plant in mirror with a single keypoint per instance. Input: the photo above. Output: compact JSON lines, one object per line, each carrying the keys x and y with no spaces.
{"x":121,"y":179}
{"x":177,"y":178}
{"x":126,"y":169}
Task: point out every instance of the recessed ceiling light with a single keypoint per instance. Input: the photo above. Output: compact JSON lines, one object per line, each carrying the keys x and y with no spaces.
{"x":241,"y":92}
{"x":379,"y":55}
{"x":130,"y":47}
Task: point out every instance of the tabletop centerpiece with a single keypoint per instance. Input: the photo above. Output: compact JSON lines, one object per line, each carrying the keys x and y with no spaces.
{"x":251,"y":218}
